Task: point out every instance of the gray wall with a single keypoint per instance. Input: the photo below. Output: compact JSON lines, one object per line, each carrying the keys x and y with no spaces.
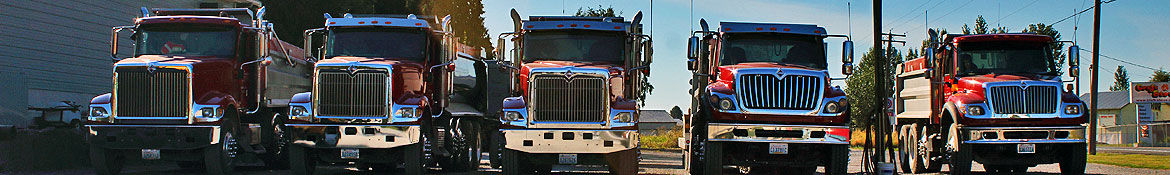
{"x":55,"y":50}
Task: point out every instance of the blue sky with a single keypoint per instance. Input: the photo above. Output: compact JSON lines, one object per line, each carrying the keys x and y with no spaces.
{"x":1131,"y":30}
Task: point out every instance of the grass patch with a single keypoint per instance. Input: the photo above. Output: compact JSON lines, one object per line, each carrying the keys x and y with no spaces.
{"x":662,"y":139}
{"x":857,"y":138}
{"x":1132,"y":160}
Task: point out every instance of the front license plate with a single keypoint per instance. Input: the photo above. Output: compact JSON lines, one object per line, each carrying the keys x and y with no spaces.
{"x":777,"y":148}
{"x":151,"y":154}
{"x":350,"y":154}
{"x":567,"y":159}
{"x":1026,"y":148}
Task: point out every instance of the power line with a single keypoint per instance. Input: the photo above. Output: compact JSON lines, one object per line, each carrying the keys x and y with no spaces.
{"x":899,"y":18}
{"x":1078,"y":13}
{"x":1017,"y":11}
{"x":1120,"y":60}
{"x":916,"y":16}
{"x":953,"y":10}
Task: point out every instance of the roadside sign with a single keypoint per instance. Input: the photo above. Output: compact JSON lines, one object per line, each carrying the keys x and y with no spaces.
{"x":1149,"y":92}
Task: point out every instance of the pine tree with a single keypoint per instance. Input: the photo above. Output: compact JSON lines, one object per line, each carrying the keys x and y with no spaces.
{"x":1120,"y":80}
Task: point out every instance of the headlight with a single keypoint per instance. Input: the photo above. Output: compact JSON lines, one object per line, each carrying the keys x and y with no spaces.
{"x":405,"y":112}
{"x":98,"y":112}
{"x":624,"y":117}
{"x":1072,"y":109}
{"x":832,"y":107}
{"x":512,"y":116}
{"x":207,"y":112}
{"x":725,"y":104}
{"x":974,"y":110}
{"x":298,"y":111}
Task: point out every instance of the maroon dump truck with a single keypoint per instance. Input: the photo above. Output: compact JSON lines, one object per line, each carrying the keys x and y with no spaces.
{"x":206,"y":88}
{"x":575,"y":93}
{"x":995,"y":99}
{"x":763,"y":102}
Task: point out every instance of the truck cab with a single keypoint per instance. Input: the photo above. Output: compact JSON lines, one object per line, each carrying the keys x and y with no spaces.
{"x":380,"y":80}
{"x":576,"y":89}
{"x":763,"y":100}
{"x":205,"y":88}
{"x":996,"y":99}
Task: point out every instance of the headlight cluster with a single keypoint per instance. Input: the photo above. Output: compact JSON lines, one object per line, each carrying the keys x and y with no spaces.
{"x":407,"y":112}
{"x":298,"y":111}
{"x":511,"y":116}
{"x":975,"y":110}
{"x":725,"y":104}
{"x":833,"y":107}
{"x":624,"y":117}
{"x":98,"y":112}
{"x":209,"y":114}
{"x":1072,"y":109}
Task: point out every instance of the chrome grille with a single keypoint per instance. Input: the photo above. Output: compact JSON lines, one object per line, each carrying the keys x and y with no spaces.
{"x":362,"y":93}
{"x":794,"y":92}
{"x":163,"y":92}
{"x":582,"y":98}
{"x":1018,"y":100}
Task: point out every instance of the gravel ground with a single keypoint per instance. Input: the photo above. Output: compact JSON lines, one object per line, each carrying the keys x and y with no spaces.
{"x":653,"y":162}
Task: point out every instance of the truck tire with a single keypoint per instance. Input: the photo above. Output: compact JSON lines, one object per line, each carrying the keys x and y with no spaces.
{"x":961,"y":158}
{"x":512,"y":163}
{"x":695,"y":151}
{"x":1073,"y":162}
{"x":838,"y":161}
{"x":925,"y":156}
{"x":300,"y":162}
{"x":220,"y":158}
{"x":467,"y":148}
{"x":904,"y":149}
{"x":413,"y":160}
{"x":105,"y":161}
{"x":624,"y":162}
{"x":712,"y":158}
{"x":275,"y":140}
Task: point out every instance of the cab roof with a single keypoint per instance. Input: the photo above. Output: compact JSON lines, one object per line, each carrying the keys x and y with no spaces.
{"x":748,"y":27}
{"x":351,"y":20}
{"x":575,"y":22}
{"x":1026,"y":37}
{"x":223,"y":16}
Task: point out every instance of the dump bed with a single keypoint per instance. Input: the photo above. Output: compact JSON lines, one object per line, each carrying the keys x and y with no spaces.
{"x":912,"y":90}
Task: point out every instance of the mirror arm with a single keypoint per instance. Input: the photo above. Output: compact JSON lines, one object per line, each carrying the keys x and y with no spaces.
{"x":636,"y":68}
{"x":269,"y":58}
{"x":432,"y":69}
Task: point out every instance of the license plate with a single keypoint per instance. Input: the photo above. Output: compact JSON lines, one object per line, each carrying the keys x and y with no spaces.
{"x":1026,"y":148}
{"x":350,"y":153}
{"x":151,"y":154}
{"x":567,"y":159}
{"x":777,"y":148}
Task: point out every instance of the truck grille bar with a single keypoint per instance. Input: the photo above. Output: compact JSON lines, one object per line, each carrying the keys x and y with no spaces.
{"x":794,"y":92}
{"x":578,"y":99}
{"x":1018,"y":100}
{"x":163,"y":92}
{"x":361,"y":94}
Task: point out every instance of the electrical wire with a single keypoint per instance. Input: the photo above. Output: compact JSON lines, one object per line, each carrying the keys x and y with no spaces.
{"x":1120,"y":60}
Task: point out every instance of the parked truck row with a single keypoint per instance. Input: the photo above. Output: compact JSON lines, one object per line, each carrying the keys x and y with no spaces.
{"x":211,"y":89}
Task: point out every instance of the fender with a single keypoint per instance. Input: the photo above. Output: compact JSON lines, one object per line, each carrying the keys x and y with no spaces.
{"x":101,"y":99}
{"x":218,"y":98}
{"x":303,"y":97}
{"x":513,"y":103}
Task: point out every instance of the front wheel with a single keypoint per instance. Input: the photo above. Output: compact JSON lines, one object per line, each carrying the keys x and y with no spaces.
{"x":299,"y":160}
{"x":105,"y":161}
{"x":624,"y":162}
{"x":413,"y":159}
{"x":961,"y":158}
{"x":220,"y":158}
{"x":838,"y":161}
{"x":1074,"y":161}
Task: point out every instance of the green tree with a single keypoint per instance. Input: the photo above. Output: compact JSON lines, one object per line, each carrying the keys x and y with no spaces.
{"x":676,"y":112}
{"x":911,"y":53}
{"x":609,"y":12}
{"x":861,"y":88}
{"x":1055,"y":50}
{"x":466,"y":21}
{"x":1160,"y":76}
{"x":1120,"y":80}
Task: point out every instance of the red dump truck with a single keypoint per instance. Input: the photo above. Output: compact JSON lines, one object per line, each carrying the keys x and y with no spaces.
{"x":207,"y":88}
{"x":575,"y":93}
{"x":996,"y":99}
{"x":763,"y":101}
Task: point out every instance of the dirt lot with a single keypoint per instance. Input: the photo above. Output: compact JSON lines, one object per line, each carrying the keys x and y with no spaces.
{"x":63,"y":152}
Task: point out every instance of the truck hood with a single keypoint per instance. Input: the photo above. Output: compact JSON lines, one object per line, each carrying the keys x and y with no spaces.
{"x":196,"y":62}
{"x":527,"y":67}
{"x":976,"y":83}
{"x":616,"y":73}
{"x":406,"y":75}
{"x":727,"y":73}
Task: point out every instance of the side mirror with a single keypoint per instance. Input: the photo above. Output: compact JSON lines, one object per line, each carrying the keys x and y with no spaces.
{"x":648,"y":51}
{"x":1074,"y":71}
{"x":114,"y":40}
{"x":928,"y":63}
{"x":847,"y":69}
{"x":847,"y":52}
{"x":266,"y":61}
{"x":1074,"y":56}
{"x":929,"y":73}
{"x":500,"y":49}
{"x":693,"y":48}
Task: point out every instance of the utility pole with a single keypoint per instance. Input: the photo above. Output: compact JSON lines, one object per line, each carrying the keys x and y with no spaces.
{"x":1093,"y":82}
{"x":886,"y":136}
{"x":877,"y":127}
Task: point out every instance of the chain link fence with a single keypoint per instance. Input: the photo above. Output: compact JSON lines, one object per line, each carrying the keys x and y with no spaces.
{"x":1155,"y":134}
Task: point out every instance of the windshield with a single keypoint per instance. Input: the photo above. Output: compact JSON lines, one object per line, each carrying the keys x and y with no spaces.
{"x":574,"y":46}
{"x":186,"y":40}
{"x":800,"y":50}
{"x":1004,"y":58}
{"x":378,"y":42}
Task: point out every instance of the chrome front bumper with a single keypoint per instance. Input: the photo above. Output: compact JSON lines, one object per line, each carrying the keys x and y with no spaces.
{"x":1000,"y":135}
{"x":177,"y":137}
{"x":569,"y":141}
{"x":353,"y":136}
{"x":816,"y":134}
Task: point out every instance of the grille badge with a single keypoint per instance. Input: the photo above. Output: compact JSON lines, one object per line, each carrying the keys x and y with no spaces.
{"x":351,"y":70}
{"x":569,"y":75}
{"x":150,"y":68}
